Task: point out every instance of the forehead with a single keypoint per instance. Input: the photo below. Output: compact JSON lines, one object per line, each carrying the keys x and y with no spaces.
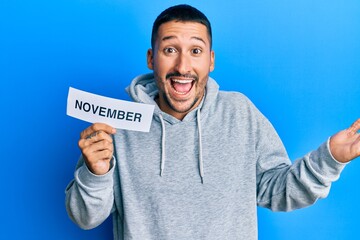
{"x":182,"y":31}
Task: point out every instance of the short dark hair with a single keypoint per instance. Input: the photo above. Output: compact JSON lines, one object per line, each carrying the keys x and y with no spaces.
{"x":180,"y":13}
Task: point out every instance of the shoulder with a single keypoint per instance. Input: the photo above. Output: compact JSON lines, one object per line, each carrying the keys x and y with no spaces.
{"x":234,"y":99}
{"x":238,"y":105}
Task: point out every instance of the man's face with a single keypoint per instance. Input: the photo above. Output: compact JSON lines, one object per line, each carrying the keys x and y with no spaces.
{"x":181,"y":60}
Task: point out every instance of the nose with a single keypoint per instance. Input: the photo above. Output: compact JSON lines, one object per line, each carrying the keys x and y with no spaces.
{"x":183,"y":64}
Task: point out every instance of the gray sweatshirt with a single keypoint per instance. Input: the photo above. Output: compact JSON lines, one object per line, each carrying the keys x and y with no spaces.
{"x":199,"y":178}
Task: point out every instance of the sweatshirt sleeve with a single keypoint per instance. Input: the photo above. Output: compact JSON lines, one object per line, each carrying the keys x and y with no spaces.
{"x":89,"y":197}
{"x":282,"y":186}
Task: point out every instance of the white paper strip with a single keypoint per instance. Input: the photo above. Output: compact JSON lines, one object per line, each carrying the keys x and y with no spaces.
{"x":116,"y":113}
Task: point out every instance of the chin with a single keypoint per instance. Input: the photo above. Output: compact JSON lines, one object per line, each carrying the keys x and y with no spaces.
{"x":185,"y":108}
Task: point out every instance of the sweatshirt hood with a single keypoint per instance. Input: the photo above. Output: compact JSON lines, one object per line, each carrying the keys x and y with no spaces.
{"x":143,"y":89}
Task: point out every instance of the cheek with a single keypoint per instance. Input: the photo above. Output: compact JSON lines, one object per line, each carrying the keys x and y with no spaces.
{"x":162,"y":65}
{"x":203,"y":65}
{"x":160,"y":81}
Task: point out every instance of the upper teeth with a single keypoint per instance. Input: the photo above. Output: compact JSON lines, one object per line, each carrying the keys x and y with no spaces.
{"x":182,"y":81}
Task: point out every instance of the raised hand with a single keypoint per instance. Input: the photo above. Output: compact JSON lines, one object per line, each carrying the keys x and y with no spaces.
{"x":345,"y":145}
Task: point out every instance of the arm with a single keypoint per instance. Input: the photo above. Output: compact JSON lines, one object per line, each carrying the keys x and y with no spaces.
{"x":282,"y":186}
{"x":89,"y":197}
{"x":288,"y":187}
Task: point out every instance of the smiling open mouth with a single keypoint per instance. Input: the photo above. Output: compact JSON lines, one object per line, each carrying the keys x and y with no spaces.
{"x":182,"y":86}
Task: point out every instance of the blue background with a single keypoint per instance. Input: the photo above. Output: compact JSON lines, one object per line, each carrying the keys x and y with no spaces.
{"x":299,"y":62}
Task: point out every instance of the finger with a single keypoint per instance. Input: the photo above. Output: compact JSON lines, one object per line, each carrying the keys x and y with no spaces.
{"x":354,"y":128}
{"x":92,"y":151}
{"x":96,"y":143}
{"x":103,"y":155}
{"x":92,"y":135}
{"x":97,"y":127}
{"x":98,"y":136}
{"x":102,"y":138}
{"x":102,"y":145}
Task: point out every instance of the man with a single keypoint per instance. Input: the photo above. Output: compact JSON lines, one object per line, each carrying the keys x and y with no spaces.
{"x":209,"y":159}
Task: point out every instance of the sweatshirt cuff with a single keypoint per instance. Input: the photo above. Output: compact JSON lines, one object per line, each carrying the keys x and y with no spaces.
{"x":325,"y":164}
{"x":88,"y":179}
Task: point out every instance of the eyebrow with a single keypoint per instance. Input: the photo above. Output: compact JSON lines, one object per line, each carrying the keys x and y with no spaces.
{"x":194,"y":37}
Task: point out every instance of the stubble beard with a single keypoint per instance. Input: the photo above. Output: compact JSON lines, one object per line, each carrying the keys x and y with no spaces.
{"x":172,"y":104}
{"x":175,"y":109}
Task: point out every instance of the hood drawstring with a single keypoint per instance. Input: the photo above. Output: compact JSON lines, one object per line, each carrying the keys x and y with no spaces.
{"x":201,"y":164}
{"x":163,"y":139}
{"x":162,"y":145}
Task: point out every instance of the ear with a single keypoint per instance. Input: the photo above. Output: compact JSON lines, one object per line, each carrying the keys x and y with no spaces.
{"x":212,"y":61}
{"x":150,"y":59}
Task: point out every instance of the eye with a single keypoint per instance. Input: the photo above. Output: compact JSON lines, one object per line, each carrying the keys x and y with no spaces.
{"x":196,"y":51}
{"x":169,"y":50}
